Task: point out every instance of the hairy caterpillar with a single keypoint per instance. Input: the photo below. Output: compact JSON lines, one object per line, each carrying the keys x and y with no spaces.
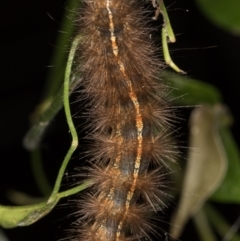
{"x":128,"y":122}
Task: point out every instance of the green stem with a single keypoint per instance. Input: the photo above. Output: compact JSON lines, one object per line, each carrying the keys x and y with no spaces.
{"x":74,"y":190}
{"x":167,"y":24}
{"x":72,"y":129}
{"x":167,"y":34}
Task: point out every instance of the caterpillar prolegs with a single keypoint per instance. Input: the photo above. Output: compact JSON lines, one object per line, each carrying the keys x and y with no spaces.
{"x":128,"y":122}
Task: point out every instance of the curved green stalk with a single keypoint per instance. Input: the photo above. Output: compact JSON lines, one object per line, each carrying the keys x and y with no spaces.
{"x":72,"y":129}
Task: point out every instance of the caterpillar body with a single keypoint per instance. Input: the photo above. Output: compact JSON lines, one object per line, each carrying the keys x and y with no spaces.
{"x":127,"y":122}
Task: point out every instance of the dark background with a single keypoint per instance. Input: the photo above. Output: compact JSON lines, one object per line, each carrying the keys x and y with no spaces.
{"x":28,"y":38}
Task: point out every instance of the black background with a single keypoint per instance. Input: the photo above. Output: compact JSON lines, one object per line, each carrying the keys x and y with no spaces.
{"x":28,"y":38}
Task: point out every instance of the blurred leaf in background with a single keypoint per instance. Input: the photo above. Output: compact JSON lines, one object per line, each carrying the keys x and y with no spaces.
{"x":224,"y":13}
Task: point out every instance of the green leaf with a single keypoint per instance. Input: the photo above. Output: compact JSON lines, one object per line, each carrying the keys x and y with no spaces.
{"x":229,"y":191}
{"x":11,"y":217}
{"x":187,"y":91}
{"x":223,"y":13}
